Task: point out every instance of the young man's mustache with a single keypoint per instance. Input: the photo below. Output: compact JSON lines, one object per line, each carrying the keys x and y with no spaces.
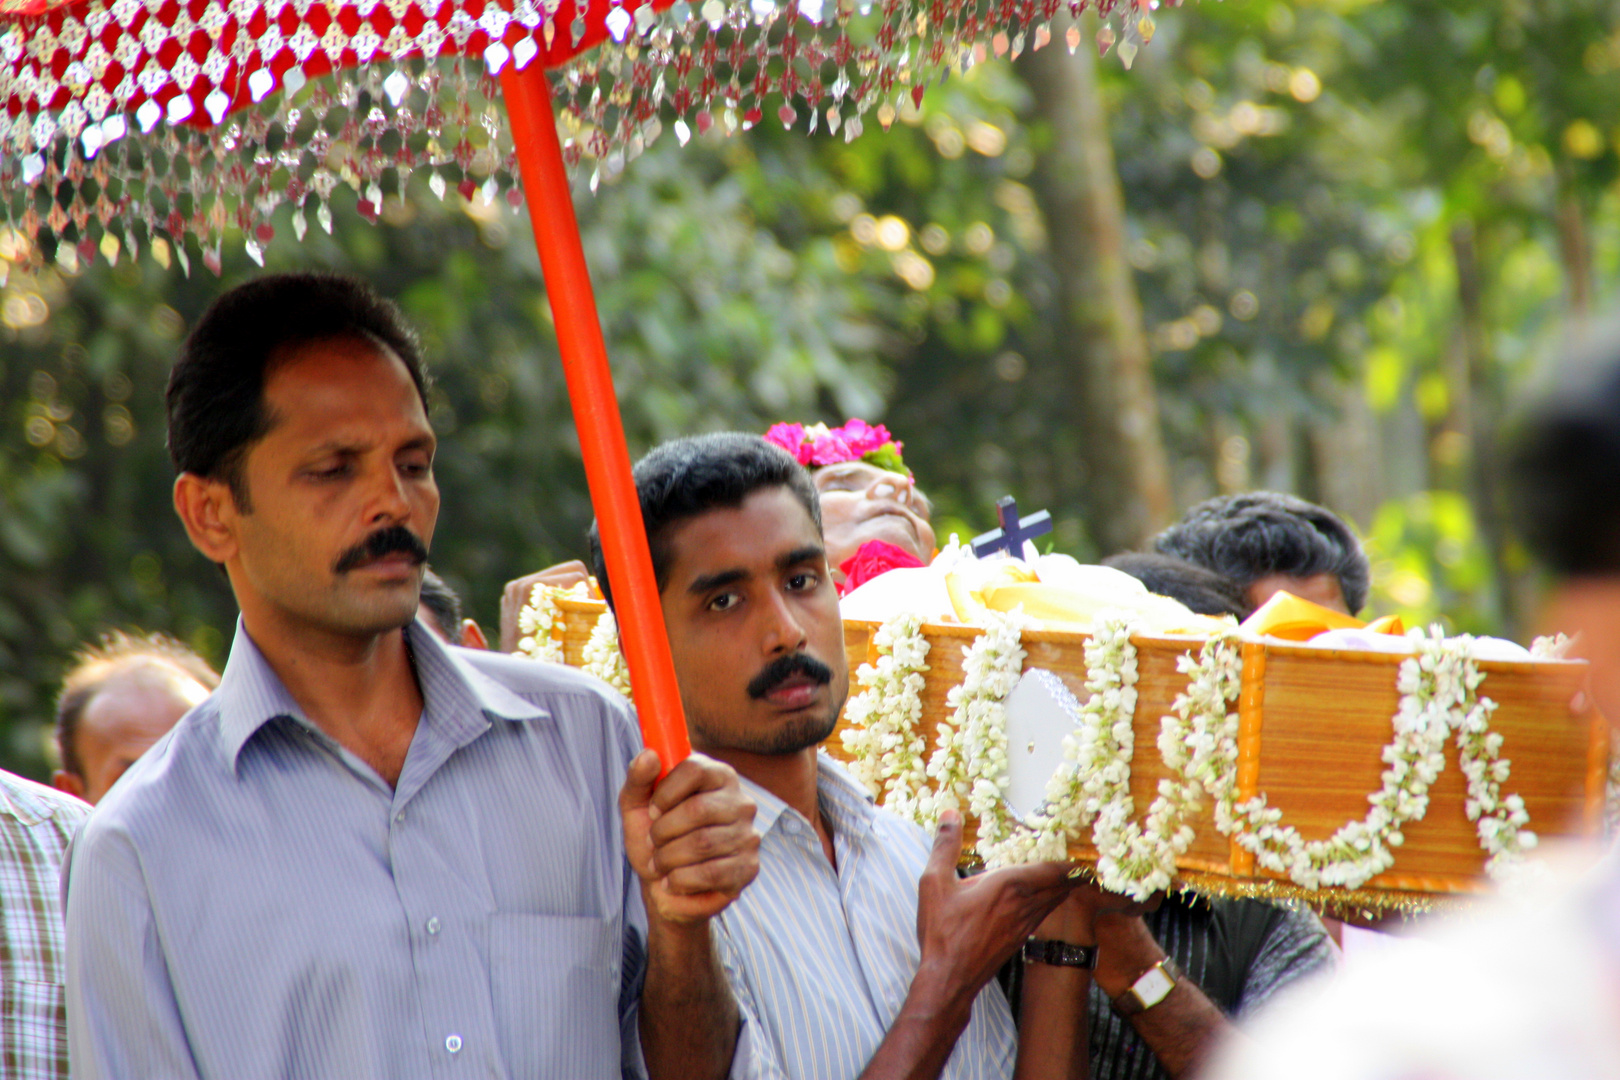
{"x":783,"y":668}
{"x":394,"y":539}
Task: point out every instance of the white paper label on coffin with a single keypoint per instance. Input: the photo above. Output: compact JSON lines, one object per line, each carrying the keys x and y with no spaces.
{"x":1040,"y":713}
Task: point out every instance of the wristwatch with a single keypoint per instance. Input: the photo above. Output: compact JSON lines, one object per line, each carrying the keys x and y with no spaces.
{"x":1060,"y":953}
{"x":1153,"y":987}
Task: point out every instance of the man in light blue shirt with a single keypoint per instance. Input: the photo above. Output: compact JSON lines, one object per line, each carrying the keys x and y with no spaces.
{"x":857,"y":951}
{"x":367,"y":854}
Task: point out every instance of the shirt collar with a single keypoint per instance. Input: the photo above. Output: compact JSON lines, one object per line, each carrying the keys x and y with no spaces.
{"x":457,"y":699}
{"x":846,"y":803}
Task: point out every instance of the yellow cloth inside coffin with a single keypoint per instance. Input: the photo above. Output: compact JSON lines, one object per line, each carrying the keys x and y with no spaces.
{"x":1011,"y":584}
{"x":1292,"y":618}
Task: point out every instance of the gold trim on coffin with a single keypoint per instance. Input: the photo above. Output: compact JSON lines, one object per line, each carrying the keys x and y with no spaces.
{"x":1279,"y":677}
{"x":1337,"y":903}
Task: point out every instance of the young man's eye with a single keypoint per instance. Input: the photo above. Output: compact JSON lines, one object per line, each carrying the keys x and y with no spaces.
{"x":724,"y":602}
{"x":804,"y":582}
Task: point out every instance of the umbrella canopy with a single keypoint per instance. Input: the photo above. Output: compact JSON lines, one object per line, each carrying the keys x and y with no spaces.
{"x":238,"y":108}
{"x":126,"y":123}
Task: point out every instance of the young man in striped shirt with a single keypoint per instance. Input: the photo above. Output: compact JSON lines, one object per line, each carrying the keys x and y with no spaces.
{"x":857,"y":951}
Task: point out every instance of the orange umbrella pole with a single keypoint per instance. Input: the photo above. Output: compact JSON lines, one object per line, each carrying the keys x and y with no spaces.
{"x":596,"y":412}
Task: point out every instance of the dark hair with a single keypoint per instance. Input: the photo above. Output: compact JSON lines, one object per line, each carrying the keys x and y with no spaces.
{"x":1202,"y":590}
{"x":1247,"y":537}
{"x":216,"y":390}
{"x":117,"y":651}
{"x":1564,"y":472}
{"x":684,"y":478}
{"x":443,"y":603}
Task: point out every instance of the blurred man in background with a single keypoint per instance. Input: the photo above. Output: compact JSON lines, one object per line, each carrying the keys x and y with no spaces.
{"x":1269,"y":542}
{"x":121,"y":695}
{"x":440,"y":610}
{"x":1202,"y":590}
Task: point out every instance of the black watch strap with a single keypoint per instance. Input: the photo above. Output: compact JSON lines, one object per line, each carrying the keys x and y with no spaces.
{"x":1060,"y":953}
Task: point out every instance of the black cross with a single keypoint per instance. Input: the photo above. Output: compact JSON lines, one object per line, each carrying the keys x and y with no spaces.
{"x":1012,"y":534}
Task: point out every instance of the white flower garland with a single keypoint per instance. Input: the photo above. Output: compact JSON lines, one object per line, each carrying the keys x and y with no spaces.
{"x":1094,"y":776}
{"x":1438,"y":687}
{"x":1438,"y":684}
{"x":1551,"y":647}
{"x":885,"y":747}
{"x":1198,"y":742}
{"x":970,"y":762}
{"x":540,"y":622}
{"x":603,"y":657}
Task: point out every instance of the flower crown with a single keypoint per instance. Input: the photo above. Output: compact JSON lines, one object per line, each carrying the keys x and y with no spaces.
{"x":819,"y":445}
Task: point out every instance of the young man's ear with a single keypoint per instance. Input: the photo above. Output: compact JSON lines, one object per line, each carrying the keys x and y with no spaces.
{"x":472,"y":635}
{"x":209,"y":513}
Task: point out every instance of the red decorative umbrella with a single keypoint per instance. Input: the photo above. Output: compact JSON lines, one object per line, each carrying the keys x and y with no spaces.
{"x":130,"y":123}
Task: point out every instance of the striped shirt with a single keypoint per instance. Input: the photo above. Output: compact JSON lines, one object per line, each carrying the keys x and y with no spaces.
{"x":821,"y":958}
{"x":253,"y":900}
{"x":36,"y":824}
{"x":1238,"y":952}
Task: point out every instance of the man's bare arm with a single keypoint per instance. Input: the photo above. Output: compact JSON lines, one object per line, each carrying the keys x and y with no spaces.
{"x":967,"y":930}
{"x":689,"y":1020}
{"x":691,"y":840}
{"x":1184,"y":1028}
{"x":1053,"y":1033}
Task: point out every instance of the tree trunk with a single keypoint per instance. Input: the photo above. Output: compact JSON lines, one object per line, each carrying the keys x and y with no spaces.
{"x":1102,"y":349}
{"x":1574,"y":249}
{"x":1481,"y":413}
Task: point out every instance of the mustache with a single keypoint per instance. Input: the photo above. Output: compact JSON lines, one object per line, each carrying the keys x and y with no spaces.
{"x":395,"y":538}
{"x":783,"y":668}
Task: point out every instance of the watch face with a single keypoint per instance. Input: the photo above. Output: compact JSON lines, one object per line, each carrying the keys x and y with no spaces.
{"x":1153,"y":987}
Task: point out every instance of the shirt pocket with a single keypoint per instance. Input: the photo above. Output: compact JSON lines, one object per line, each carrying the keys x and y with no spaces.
{"x":33,"y":1028}
{"x":554,"y":983}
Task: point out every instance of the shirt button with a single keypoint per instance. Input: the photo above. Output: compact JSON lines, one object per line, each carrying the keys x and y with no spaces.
{"x":399,"y":817}
{"x":433,"y":925}
{"x":453,"y":1044}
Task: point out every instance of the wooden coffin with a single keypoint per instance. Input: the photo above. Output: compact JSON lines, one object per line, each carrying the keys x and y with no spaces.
{"x":1313,"y":723}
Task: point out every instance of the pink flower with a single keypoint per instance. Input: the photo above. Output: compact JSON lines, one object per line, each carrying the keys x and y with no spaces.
{"x":862,"y":437}
{"x":818,"y":446}
{"x":830,"y":449}
{"x":790,"y":437}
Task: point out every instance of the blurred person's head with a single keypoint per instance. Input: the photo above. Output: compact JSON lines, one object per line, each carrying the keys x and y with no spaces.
{"x":440,"y":608}
{"x":1201,"y":590}
{"x":1268,"y":542}
{"x":867,"y":493}
{"x":440,"y":612}
{"x":298,"y":423}
{"x":121,"y":695}
{"x":750,"y":609}
{"x":1565,"y":472}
